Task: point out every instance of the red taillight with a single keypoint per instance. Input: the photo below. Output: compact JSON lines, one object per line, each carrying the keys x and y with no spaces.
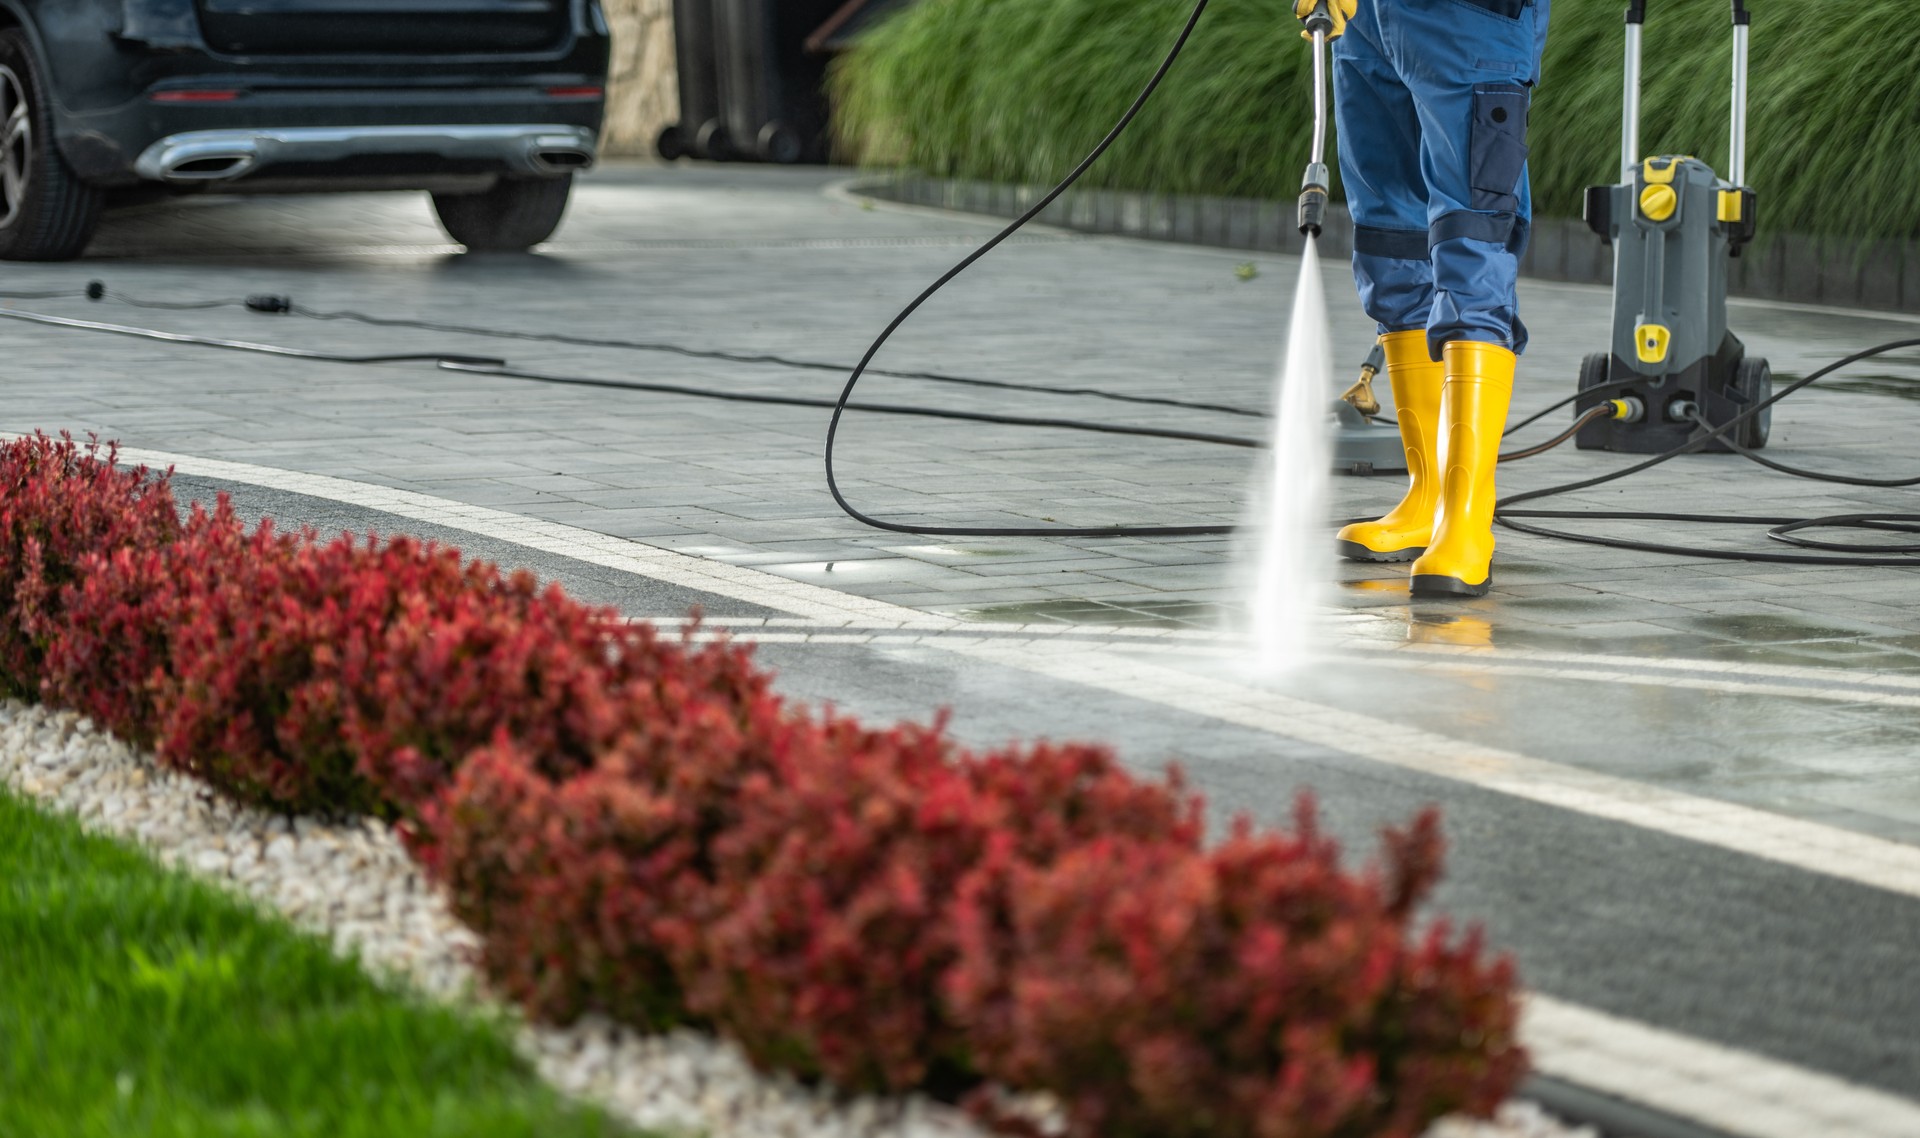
{"x":201,"y":96}
{"x":576,"y":92}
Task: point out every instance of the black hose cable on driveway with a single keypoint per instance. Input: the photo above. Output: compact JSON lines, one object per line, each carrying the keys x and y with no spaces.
{"x":880,"y":408}
{"x":992,"y":243}
{"x":284,"y":304}
{"x":491,"y":366}
{"x":247,"y":345}
{"x":1785,"y":530}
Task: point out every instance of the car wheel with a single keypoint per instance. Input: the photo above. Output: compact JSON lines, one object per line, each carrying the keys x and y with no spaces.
{"x":512,"y":217}
{"x":46,"y":212}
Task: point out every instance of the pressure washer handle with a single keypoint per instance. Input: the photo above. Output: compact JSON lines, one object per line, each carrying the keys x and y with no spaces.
{"x":1742,"y":25}
{"x":1630,"y":114}
{"x":1630,"y":118}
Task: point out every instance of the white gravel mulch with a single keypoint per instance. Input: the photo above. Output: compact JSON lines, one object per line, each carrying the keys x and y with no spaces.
{"x":354,"y":885}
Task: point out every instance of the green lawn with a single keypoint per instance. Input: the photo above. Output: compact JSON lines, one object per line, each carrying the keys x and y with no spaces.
{"x":136,"y":1002}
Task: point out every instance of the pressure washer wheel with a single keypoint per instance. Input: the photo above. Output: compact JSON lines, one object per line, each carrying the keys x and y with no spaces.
{"x":1753,"y":380}
{"x":1593,"y":373}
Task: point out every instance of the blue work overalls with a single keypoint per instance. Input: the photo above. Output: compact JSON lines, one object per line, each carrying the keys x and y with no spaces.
{"x":1431,"y":97}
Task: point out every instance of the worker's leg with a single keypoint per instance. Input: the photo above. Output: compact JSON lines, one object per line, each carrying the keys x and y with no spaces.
{"x":1379,"y":136}
{"x":1471,"y":66}
{"x":1380,"y":168}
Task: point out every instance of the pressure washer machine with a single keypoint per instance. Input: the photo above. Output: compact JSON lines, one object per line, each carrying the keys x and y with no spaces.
{"x":1675,"y":371}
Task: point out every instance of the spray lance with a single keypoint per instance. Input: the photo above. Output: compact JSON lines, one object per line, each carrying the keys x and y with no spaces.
{"x":1321,"y":26}
{"x":1361,"y":446}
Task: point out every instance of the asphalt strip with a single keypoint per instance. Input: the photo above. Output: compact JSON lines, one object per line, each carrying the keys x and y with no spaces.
{"x":1727,"y":1089}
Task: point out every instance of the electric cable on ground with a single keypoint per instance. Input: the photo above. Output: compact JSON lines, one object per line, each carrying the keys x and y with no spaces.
{"x":270,"y":304}
{"x":277,"y":303}
{"x":492,"y":366}
{"x":1784,"y":529}
{"x":247,"y":345}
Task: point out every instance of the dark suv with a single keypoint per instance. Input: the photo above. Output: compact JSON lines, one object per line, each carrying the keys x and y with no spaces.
{"x":489,"y":105}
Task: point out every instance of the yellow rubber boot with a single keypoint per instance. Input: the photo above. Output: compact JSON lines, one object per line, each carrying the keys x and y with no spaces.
{"x":1473,"y":412}
{"x":1403,"y":533}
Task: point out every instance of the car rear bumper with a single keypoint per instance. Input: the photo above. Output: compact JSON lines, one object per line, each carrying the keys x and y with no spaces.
{"x":204,"y":157}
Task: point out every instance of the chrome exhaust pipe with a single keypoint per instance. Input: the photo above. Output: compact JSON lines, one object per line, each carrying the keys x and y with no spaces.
{"x":560,"y":160}
{"x":186,"y":160}
{"x":207,"y":168}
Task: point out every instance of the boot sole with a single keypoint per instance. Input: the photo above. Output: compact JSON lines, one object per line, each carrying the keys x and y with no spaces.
{"x":1354,"y":551}
{"x":1434,"y":585}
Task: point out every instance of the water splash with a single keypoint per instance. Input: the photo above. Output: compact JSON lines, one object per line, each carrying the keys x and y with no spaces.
{"x":1292,"y":563}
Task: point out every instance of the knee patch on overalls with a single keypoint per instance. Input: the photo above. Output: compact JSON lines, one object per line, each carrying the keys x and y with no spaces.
{"x":1497,"y":146}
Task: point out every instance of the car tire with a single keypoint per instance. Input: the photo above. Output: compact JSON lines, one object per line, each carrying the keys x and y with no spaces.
{"x":512,"y":217}
{"x":46,"y":212}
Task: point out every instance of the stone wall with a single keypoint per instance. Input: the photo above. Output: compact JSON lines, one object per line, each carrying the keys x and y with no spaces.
{"x":1779,"y":266}
{"x":642,"y":91}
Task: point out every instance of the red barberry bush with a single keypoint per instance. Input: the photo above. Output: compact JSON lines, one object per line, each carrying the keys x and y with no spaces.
{"x":566,"y":884}
{"x":113,"y":652}
{"x":461,"y":663}
{"x":1256,"y":990}
{"x":61,"y":503}
{"x":586,"y":883}
{"x":833,"y":927}
{"x":250,"y":703}
{"x":357,"y":675}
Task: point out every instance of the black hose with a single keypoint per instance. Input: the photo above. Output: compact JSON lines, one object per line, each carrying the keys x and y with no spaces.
{"x":1598,"y":389}
{"x":880,"y":408}
{"x":846,"y":393}
{"x":1784,"y":529}
{"x":1593,"y":415}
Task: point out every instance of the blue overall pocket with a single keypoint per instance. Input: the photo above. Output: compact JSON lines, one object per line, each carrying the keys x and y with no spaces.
{"x":1497,"y":146}
{"x":1510,"y":9}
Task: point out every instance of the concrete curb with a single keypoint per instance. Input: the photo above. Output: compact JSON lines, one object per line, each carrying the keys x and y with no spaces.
{"x":1612,"y":1117}
{"x":1881,"y":275}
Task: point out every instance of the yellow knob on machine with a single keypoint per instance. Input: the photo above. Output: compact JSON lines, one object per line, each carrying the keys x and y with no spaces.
{"x":1659,"y":202}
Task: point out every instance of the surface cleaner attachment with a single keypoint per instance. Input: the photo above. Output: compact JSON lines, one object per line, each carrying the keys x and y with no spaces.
{"x":1674,"y":224}
{"x":1362,"y":443}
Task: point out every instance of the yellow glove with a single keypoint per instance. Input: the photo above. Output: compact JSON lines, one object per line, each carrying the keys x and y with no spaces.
{"x":1340,"y":10}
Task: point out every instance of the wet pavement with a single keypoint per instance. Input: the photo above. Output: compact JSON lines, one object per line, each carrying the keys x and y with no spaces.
{"x":1669,"y":781}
